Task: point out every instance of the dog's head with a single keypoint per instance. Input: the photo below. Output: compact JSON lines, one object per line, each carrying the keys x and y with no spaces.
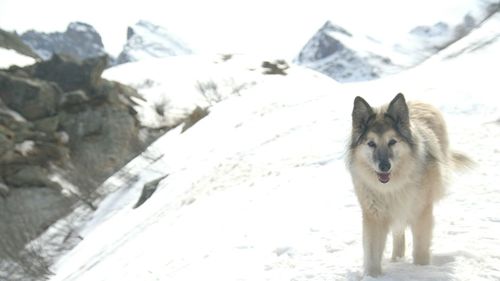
{"x":381,"y":137}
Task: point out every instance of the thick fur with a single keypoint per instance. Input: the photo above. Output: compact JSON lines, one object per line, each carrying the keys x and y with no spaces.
{"x":398,"y":158}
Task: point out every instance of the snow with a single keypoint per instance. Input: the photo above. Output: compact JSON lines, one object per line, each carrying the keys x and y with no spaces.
{"x":177,"y":85}
{"x":9,"y":58}
{"x":149,"y":40}
{"x":257,"y":190}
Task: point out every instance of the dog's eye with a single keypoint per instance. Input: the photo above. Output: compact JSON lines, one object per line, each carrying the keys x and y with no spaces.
{"x":371,"y":144}
{"x":392,"y":142}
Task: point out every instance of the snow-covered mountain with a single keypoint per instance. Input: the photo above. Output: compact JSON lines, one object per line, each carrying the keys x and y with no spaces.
{"x":147,"y":40}
{"x":341,"y":55}
{"x":80,"y":40}
{"x":257,"y":190}
{"x":350,"y":57}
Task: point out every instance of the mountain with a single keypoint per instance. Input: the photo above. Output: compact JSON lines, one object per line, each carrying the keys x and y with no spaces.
{"x":147,"y":40}
{"x":80,"y":41}
{"x":348,"y":57}
{"x":341,"y":55}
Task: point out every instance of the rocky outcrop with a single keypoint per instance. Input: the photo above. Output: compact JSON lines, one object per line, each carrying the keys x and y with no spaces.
{"x":80,"y":41}
{"x":63,"y":130}
{"x":12,"y":41}
{"x":147,"y":40}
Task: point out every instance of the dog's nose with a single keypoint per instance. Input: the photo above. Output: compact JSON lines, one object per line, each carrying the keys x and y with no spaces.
{"x":384,"y":166}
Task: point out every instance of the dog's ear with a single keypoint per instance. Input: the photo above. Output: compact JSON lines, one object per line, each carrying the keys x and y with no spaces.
{"x":361,"y":112}
{"x":398,"y":111}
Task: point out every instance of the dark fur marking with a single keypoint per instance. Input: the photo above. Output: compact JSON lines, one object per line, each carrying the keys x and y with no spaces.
{"x":396,"y":117}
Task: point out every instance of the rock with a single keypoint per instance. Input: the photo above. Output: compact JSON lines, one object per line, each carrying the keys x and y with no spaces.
{"x":71,"y":74}
{"x":32,"y":98}
{"x":29,"y":176}
{"x":6,"y":142}
{"x":58,"y":117}
{"x":195,"y":116}
{"x":4,"y":189}
{"x":148,"y":190}
{"x":48,"y":124}
{"x":80,"y":41}
{"x":73,"y":98}
{"x":101,"y":139}
{"x":277,"y":67}
{"x":26,"y":212}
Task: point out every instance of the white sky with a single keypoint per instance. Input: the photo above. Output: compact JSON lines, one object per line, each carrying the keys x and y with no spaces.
{"x":276,"y":27}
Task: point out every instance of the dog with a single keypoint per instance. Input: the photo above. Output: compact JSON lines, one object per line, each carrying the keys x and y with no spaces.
{"x":398,"y":158}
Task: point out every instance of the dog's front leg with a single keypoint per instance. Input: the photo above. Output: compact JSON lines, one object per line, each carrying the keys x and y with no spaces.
{"x":374,"y":236}
{"x":422,"y":236}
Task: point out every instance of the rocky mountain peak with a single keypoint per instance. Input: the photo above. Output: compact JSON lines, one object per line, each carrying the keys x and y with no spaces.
{"x":79,"y":40}
{"x":335,"y":52}
{"x":146,"y":40}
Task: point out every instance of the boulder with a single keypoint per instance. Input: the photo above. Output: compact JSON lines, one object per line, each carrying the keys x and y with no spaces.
{"x":32,"y":98}
{"x":71,"y":74}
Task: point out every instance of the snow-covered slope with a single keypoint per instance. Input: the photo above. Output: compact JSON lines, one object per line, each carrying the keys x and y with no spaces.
{"x":257,"y":190}
{"x":147,"y":40}
{"x":173,"y":87}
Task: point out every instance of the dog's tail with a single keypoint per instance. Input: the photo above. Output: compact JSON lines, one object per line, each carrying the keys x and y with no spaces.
{"x":461,"y":162}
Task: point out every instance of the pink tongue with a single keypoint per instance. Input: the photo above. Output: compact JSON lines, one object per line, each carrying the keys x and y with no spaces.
{"x":383,"y":177}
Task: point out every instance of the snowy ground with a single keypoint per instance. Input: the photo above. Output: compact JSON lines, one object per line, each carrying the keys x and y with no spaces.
{"x":257,"y":190}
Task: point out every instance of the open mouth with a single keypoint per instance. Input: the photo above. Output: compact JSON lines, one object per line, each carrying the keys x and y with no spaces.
{"x":384,"y":177}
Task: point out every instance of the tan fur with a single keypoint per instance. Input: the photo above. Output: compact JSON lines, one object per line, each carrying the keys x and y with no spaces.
{"x":417,"y":180}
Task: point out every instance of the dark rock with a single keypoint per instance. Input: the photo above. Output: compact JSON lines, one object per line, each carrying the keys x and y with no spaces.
{"x":73,"y":98}
{"x":277,"y":67}
{"x":29,"y":176}
{"x":48,"y":124}
{"x":71,"y":74}
{"x":4,"y":189}
{"x":26,"y":212}
{"x":148,"y":190}
{"x":6,"y":142}
{"x":193,"y":118}
{"x":32,"y":98}
{"x":80,"y":41}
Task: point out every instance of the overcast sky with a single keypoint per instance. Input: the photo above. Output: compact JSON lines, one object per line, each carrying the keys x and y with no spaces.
{"x":276,"y":27}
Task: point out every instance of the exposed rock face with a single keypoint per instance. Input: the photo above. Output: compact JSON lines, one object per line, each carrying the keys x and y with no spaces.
{"x":80,"y":41}
{"x":146,"y":40}
{"x":33,"y":99}
{"x":60,"y":119}
{"x":71,"y":74}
